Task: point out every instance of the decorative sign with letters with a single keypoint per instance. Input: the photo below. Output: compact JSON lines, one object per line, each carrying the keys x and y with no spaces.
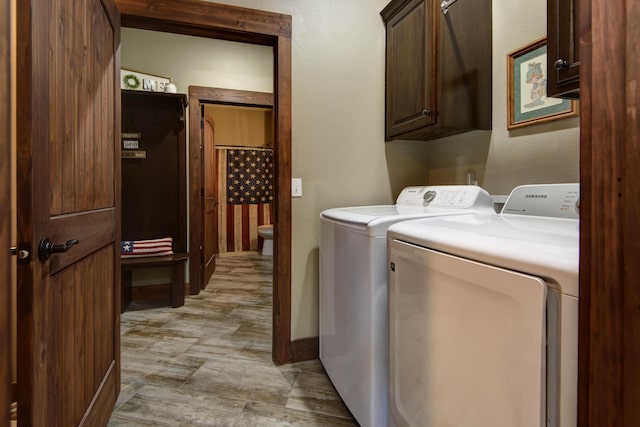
{"x":131,"y":140}
{"x":130,"y":144}
{"x":137,"y":154}
{"x":136,"y":80}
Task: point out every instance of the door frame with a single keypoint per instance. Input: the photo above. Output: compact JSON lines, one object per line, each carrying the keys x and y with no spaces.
{"x":207,"y":126}
{"x":198,"y":97}
{"x":609,"y":323}
{"x":5,"y":210}
{"x":204,"y":19}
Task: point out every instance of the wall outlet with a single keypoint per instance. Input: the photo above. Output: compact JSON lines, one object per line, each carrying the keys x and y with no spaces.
{"x":296,"y":187}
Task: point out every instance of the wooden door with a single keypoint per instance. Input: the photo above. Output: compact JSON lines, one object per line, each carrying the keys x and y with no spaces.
{"x":5,"y":215}
{"x":210,"y":202}
{"x":68,"y":189}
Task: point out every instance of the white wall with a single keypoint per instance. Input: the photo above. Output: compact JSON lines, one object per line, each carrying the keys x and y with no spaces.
{"x":538,"y":153}
{"x":338,"y":144}
{"x":198,"y":61}
{"x":338,"y":128}
{"x":504,"y":159}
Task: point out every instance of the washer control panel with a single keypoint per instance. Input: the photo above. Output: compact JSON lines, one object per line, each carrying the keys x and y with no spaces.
{"x":429,"y":196}
{"x":445,"y":196}
{"x":550,"y":200}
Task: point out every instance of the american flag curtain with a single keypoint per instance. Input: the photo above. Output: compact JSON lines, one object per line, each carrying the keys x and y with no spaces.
{"x":238,"y":223}
{"x":249,"y":176}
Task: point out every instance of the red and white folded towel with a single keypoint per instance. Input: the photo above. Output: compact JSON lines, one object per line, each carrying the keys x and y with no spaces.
{"x":142,"y":248}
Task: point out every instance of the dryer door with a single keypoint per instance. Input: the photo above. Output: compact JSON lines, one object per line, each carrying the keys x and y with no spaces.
{"x":467,"y":342}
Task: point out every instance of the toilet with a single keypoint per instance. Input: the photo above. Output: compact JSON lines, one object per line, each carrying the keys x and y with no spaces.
{"x":266,"y":232}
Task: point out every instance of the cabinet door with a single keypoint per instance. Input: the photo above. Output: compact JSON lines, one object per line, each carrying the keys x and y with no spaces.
{"x":563,"y":49}
{"x":411,"y":62}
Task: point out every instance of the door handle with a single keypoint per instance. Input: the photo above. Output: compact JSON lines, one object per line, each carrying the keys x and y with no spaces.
{"x":47,"y":247}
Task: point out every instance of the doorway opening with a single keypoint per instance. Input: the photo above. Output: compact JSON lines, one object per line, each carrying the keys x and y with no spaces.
{"x":219,"y":221}
{"x":204,"y":19}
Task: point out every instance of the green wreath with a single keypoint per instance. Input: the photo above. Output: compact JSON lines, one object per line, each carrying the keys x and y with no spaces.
{"x":131,"y":81}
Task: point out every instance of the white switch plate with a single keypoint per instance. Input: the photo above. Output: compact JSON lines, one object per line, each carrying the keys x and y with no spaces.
{"x":296,"y":187}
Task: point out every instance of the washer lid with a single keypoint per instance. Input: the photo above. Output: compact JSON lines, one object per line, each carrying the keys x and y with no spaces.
{"x":414,"y":202}
{"x":541,"y":246}
{"x":374,"y":220}
{"x":365,"y":215}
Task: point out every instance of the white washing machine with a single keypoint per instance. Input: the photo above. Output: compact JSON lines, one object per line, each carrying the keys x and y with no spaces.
{"x":483,"y":315}
{"x":353,"y":290}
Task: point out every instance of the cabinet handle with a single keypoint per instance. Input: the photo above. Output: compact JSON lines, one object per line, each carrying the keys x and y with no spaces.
{"x":561,"y":64}
{"x":426,"y":112}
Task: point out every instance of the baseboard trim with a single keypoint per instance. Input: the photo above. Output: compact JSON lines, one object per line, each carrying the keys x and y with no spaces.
{"x":305,"y":349}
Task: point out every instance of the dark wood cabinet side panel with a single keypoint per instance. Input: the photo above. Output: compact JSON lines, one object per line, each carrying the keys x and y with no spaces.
{"x":465,"y":67}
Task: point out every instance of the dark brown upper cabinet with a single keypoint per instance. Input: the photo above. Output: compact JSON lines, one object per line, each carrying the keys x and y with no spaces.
{"x":563,"y":49}
{"x":438,"y":68}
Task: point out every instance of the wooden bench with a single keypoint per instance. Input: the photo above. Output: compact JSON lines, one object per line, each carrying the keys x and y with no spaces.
{"x":176,"y":287}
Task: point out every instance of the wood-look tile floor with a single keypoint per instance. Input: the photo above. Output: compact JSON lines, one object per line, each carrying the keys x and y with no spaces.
{"x":208,"y":363}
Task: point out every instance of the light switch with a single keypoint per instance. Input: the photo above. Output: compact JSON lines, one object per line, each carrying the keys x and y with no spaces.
{"x":296,"y":187}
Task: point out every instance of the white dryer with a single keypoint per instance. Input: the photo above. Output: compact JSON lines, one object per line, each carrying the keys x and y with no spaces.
{"x":353,"y":290}
{"x":483,"y":313}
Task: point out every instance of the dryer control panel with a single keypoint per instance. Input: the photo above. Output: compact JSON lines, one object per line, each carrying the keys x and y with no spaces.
{"x":550,"y":200}
{"x":445,"y":196}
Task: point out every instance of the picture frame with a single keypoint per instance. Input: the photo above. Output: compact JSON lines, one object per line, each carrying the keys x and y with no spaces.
{"x":527,"y":101}
{"x":137,"y":80}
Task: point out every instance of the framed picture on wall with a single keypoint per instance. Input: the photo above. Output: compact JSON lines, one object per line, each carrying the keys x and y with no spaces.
{"x":527,"y":99}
